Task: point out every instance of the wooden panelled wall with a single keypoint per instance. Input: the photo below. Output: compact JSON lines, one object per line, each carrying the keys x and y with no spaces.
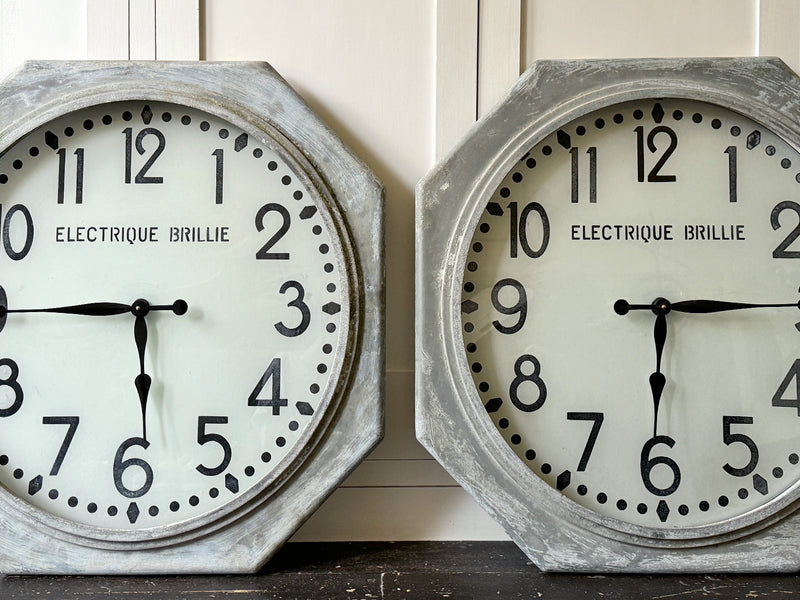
{"x":400,"y":81}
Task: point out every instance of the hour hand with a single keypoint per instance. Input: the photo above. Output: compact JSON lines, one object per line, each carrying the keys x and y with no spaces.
{"x":142,"y":381}
{"x":657,"y":378}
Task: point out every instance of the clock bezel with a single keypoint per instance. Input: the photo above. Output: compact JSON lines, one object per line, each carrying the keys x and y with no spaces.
{"x":253,"y":97}
{"x":548,"y":97}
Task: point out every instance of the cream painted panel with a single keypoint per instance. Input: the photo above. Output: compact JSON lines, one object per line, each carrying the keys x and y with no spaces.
{"x":779,"y":30}
{"x":399,"y":514}
{"x":107,"y":29}
{"x":633,"y":28}
{"x":40,"y":29}
{"x":177,"y":29}
{"x":142,"y":27}
{"x":499,"y":42}
{"x":456,"y":57}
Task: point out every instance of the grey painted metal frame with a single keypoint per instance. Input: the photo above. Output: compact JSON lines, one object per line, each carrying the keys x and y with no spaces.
{"x":451,"y":422}
{"x":246,"y":534}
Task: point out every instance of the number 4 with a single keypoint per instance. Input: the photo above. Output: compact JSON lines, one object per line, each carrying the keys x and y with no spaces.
{"x":778,"y":399}
{"x":276,"y":402}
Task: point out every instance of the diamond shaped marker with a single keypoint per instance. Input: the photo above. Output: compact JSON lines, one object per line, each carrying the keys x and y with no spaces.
{"x":760,"y":484}
{"x":147,"y":114}
{"x":469,"y":306}
{"x":35,"y":485}
{"x":304,"y":408}
{"x":232,"y":483}
{"x":331,"y":308}
{"x":754,"y":139}
{"x":133,"y":512}
{"x":662,"y":510}
{"x":562,"y":481}
{"x":493,"y":405}
{"x":658,"y":112}
{"x":240,"y":143}
{"x":51,"y":139}
{"x":563,"y":139}
{"x":308,"y":212}
{"x":494,"y":209}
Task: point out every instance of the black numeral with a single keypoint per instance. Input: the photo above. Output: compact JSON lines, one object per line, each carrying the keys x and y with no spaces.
{"x":597,"y":422}
{"x":575,"y":165}
{"x":519,"y":229}
{"x":72,"y":426}
{"x":11,"y":252}
{"x":533,"y":377}
{"x":263,"y":253}
{"x":520,"y":308}
{"x":204,"y":437}
{"x":654,"y":175}
{"x":218,"y":154}
{"x":62,"y":175}
{"x":732,"y":184}
{"x":13,"y":385}
{"x":774,"y":218}
{"x":647,"y":464}
{"x":273,"y":373}
{"x":305,"y":312}
{"x":778,"y":399}
{"x":121,"y":465}
{"x":142,"y":176}
{"x":739,"y":438}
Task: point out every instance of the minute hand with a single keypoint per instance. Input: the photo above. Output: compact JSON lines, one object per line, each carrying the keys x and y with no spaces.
{"x":91,"y":309}
{"x":95,"y":309}
{"x":712,"y":306}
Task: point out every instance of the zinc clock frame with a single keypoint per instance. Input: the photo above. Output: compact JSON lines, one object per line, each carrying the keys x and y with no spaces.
{"x":451,"y":421}
{"x":254,"y":97}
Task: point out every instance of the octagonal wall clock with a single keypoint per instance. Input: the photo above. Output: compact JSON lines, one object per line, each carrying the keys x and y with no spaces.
{"x":608,"y":335}
{"x":191,"y":327}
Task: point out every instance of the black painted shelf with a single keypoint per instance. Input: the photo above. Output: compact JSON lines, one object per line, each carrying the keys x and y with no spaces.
{"x":401,"y":570}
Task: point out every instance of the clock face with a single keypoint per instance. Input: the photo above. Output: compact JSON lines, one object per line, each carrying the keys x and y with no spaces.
{"x":657,"y":416}
{"x":121,"y":419}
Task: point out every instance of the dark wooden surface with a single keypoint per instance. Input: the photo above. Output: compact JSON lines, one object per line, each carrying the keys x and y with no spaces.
{"x":403,"y":570}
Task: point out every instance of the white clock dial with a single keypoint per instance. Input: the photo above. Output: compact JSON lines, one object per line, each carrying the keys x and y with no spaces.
{"x":676,"y":420}
{"x":146,"y":200}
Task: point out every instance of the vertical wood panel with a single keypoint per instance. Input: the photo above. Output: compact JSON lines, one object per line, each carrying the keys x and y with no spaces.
{"x":589,"y":29}
{"x":456,"y":71}
{"x":41,"y":29}
{"x":779,"y":30}
{"x":499,"y":43}
{"x":142,"y":27}
{"x":177,"y":29}
{"x":107,"y":29}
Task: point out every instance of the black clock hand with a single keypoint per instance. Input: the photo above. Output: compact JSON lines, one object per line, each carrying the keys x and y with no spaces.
{"x":91,"y":309}
{"x":142,"y":380}
{"x":622,"y":307}
{"x":657,"y":378}
{"x":96,"y":309}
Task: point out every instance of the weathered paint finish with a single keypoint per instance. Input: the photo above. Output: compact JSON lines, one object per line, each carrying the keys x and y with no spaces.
{"x":451,"y":421}
{"x":254,"y":97}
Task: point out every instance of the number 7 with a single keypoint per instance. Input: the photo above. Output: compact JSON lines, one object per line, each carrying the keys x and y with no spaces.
{"x":62,"y":452}
{"x":587,"y":449}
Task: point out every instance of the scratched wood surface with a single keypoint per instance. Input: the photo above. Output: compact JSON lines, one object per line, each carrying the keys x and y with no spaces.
{"x":403,"y":570}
